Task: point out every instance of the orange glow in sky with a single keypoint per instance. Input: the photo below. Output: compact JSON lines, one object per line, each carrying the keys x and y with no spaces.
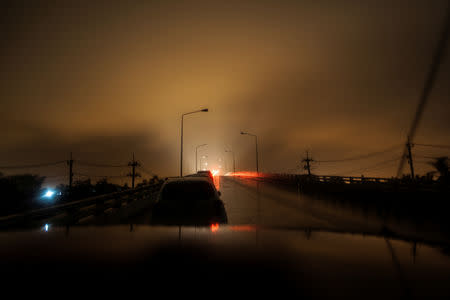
{"x":131,"y":81}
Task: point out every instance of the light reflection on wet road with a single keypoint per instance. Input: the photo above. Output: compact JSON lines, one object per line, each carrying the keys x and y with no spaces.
{"x":248,"y":201}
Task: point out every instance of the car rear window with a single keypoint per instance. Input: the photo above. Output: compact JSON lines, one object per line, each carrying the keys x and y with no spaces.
{"x":191,"y":191}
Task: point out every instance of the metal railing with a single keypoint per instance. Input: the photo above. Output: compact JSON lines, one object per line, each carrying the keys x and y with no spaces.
{"x":351,"y":179}
{"x":321,"y":178}
{"x":382,"y":182}
{"x":72,"y":212}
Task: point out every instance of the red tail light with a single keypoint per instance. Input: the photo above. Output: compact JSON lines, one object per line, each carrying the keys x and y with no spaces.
{"x":214,"y":227}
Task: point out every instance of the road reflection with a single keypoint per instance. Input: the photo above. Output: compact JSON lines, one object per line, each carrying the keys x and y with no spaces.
{"x":249,"y":201}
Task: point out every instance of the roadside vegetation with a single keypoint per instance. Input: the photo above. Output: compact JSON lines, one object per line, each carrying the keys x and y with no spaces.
{"x":24,"y":192}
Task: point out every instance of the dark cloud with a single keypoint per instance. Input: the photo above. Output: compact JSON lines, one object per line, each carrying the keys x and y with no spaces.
{"x":36,"y":145}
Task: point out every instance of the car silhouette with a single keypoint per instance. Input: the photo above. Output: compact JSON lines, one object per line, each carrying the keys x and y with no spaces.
{"x":205,"y":174}
{"x":189,"y":201}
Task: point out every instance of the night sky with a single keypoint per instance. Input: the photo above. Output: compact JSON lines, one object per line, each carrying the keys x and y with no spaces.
{"x":104,"y":80}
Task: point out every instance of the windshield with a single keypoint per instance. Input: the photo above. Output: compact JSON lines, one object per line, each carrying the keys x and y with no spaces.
{"x":320,"y":128}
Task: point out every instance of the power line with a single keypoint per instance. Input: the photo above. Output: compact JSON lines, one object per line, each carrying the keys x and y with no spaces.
{"x":100,"y":176}
{"x":435,"y":152}
{"x":146,"y":171}
{"x":374,"y":166}
{"x":427,"y":88}
{"x":89,"y":164}
{"x":34,"y":166}
{"x":423,"y":162}
{"x":430,"y":157}
{"x":292,"y":169}
{"x":433,"y":146}
{"x":361,"y":156}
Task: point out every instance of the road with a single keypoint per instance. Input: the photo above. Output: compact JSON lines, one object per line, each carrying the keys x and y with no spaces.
{"x":248,"y":201}
{"x":251,"y":202}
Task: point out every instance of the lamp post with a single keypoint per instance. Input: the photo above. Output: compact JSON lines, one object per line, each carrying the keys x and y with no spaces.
{"x":234,"y":161}
{"x":256,"y":146}
{"x":181,"y":152}
{"x":196,"y":155}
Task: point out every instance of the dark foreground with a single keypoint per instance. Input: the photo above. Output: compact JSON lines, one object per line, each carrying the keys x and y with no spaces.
{"x":277,"y":243}
{"x":228,"y":261}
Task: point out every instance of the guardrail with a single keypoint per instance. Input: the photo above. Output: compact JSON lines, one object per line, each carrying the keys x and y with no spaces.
{"x":72,"y":212}
{"x":351,"y":179}
{"x":321,"y":178}
{"x":304,"y":180}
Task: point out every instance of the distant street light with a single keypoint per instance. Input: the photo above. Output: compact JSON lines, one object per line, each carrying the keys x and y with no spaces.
{"x":206,"y":163}
{"x":196,"y":155}
{"x":234,"y":162}
{"x":256,"y":145}
{"x":182,"y":121}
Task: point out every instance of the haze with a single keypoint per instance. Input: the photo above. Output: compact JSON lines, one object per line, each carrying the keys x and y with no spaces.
{"x":336,"y":78}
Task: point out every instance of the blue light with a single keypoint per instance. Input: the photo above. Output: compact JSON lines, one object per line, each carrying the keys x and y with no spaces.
{"x":49,"y":194}
{"x":46,"y":227}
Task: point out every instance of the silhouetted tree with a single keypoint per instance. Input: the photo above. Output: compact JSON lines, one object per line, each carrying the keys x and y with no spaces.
{"x":82,"y":189}
{"x":441,"y":165}
{"x":155,"y":179}
{"x":104,"y":187}
{"x":19,"y":192}
{"x":143,"y":183}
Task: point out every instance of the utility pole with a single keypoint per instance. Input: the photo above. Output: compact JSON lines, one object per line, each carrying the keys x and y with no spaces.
{"x":410,"y":159}
{"x":133,"y":164}
{"x":70,"y":164}
{"x":307,"y":160}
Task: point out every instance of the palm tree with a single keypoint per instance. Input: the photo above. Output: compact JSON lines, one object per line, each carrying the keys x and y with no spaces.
{"x":441,"y":166}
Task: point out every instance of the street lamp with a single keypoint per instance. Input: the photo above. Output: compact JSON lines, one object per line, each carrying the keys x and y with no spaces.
{"x":196,"y":155}
{"x":181,"y":152}
{"x":234,"y":162}
{"x":256,"y":145}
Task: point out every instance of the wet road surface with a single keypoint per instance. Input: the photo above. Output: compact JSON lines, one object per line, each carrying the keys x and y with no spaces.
{"x":248,"y":201}
{"x":251,"y":202}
